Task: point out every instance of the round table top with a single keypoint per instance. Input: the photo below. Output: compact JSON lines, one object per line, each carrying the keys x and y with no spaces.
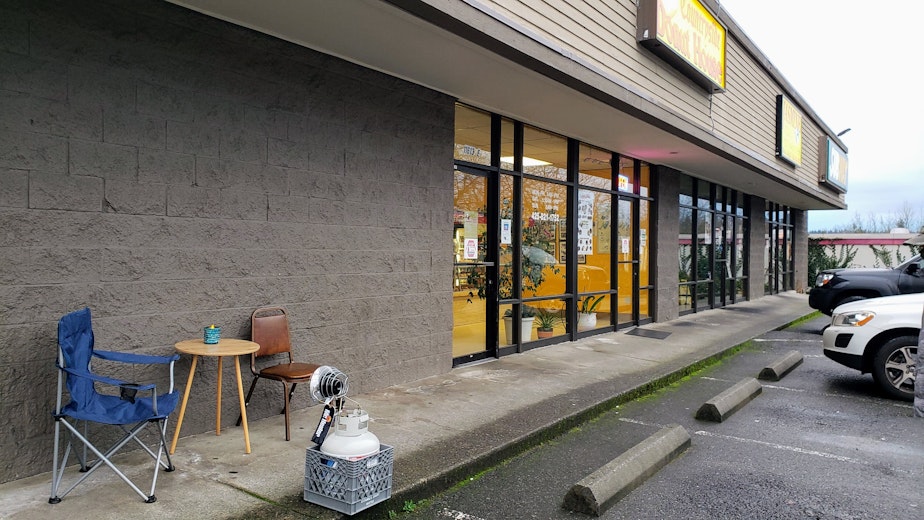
{"x":224,"y":347}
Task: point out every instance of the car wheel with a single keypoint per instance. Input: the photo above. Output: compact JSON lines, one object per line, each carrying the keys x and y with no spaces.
{"x":893,"y":367}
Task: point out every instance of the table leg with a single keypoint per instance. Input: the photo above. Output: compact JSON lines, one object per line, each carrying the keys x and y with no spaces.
{"x":179,"y":423}
{"x":218,"y":405}
{"x":240,"y":394}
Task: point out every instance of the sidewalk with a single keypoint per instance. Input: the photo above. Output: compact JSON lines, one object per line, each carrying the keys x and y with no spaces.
{"x":443,"y":428}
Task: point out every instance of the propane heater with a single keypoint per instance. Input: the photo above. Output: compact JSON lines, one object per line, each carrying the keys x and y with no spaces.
{"x":328,"y":383}
{"x":350,"y":438}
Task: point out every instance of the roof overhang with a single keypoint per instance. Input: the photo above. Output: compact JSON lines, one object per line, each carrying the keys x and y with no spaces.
{"x":461,"y":51}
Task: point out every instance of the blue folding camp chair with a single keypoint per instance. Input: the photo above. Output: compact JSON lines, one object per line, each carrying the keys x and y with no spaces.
{"x":129,"y":411}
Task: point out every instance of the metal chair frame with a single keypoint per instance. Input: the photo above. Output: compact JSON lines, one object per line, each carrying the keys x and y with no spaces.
{"x":77,"y":415}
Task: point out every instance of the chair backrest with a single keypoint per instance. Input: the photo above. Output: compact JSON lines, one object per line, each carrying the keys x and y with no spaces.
{"x":270,"y":330}
{"x":75,"y":343}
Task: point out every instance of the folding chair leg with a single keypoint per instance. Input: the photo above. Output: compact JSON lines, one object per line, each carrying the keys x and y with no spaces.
{"x":247,"y":400}
{"x":103,"y":458}
{"x":59,"y":464}
{"x":55,"y":476}
{"x":168,"y":466}
{"x":82,"y":454}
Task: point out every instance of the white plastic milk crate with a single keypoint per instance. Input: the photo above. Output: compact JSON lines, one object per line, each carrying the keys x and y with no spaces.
{"x":348,"y":486}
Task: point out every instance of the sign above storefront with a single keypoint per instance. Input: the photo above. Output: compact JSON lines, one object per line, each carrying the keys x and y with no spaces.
{"x":685,"y":34}
{"x":788,"y":131}
{"x":833,"y":164}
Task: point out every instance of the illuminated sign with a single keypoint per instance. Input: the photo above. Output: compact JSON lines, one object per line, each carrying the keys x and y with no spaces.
{"x":624,"y":183}
{"x":788,"y":131}
{"x":833,"y":164}
{"x":685,"y":34}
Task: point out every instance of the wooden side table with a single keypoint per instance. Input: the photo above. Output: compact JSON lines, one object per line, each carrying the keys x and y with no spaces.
{"x":224,"y":347}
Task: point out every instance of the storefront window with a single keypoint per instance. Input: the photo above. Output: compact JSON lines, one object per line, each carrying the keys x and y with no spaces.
{"x":626,"y":181}
{"x":545,"y":211}
{"x":685,"y":248}
{"x":549,"y":266}
{"x":473,"y":135}
{"x":779,"y":247}
{"x":712,"y":246}
{"x":507,"y":139}
{"x":686,"y":191}
{"x":644,"y":241}
{"x":595,"y":168}
{"x":505,"y":251}
{"x":544,"y":154}
{"x":625,"y":259}
{"x":644,"y":180}
{"x":703,"y":195}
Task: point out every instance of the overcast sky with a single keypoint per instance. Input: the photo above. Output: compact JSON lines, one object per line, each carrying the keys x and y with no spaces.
{"x":858,"y":65}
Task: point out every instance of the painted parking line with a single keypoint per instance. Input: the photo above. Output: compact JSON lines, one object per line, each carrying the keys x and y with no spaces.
{"x":786,"y":340}
{"x":786,"y":388}
{"x":874,"y":400}
{"x":783,"y":447}
{"x":457,"y":515}
{"x":641,"y":423}
{"x":774,"y":387}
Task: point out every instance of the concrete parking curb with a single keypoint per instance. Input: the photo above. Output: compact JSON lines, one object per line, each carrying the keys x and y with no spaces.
{"x":782,"y":366}
{"x":604,"y":487}
{"x":730,"y":401}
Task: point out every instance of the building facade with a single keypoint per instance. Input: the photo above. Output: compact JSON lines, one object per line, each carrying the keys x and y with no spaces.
{"x":399,"y":174}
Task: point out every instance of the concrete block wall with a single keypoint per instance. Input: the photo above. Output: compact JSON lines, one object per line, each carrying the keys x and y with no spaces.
{"x":757,"y":256}
{"x":800,"y":281}
{"x":170,"y":171}
{"x":667,"y":249}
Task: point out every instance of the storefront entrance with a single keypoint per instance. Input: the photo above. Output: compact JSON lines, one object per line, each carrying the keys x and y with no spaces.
{"x":551,"y":238}
{"x":473,"y":268}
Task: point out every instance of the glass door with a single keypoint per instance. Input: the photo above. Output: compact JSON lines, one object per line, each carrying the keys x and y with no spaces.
{"x":473,"y":268}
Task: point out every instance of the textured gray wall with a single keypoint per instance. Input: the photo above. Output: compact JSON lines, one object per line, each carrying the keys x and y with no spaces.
{"x":757,"y":258}
{"x":170,"y":171}
{"x":800,"y":281}
{"x":667,"y":249}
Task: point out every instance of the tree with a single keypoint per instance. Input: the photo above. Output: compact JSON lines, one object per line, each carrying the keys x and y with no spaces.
{"x":905,"y":216}
{"x":822,"y":257}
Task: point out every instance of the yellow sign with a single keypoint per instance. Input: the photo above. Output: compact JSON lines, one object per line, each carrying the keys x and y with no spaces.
{"x":690,"y":30}
{"x":789,"y":131}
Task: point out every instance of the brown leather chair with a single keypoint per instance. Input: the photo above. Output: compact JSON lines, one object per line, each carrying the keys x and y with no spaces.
{"x":270,"y":329}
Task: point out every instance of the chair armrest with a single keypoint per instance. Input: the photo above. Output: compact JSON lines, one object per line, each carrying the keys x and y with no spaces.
{"x":129,"y":357}
{"x":107,"y":380}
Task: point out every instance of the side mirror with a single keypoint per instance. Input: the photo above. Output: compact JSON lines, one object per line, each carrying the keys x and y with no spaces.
{"x":913,"y":269}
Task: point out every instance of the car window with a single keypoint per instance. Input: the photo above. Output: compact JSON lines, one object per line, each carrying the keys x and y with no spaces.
{"x":916,"y":259}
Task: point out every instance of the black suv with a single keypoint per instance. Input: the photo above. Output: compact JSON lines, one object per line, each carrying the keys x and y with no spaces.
{"x":834,"y":287}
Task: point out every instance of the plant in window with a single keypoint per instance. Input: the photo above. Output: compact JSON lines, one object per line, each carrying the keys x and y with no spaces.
{"x":525,"y":312}
{"x":587,"y":304}
{"x":527,"y":316}
{"x":547,"y":319}
{"x":587,"y":318}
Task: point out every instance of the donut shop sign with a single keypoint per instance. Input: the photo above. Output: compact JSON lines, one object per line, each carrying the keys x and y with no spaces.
{"x":685,"y":34}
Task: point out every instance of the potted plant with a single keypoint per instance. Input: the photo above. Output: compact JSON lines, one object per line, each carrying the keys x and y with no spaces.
{"x":536,"y":261}
{"x":527,"y":316}
{"x":545,"y":323}
{"x":587,"y":318}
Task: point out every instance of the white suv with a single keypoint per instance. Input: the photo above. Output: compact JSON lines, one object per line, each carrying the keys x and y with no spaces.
{"x":879,"y":335}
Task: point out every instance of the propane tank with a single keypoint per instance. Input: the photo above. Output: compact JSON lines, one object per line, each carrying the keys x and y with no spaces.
{"x":351,"y":438}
